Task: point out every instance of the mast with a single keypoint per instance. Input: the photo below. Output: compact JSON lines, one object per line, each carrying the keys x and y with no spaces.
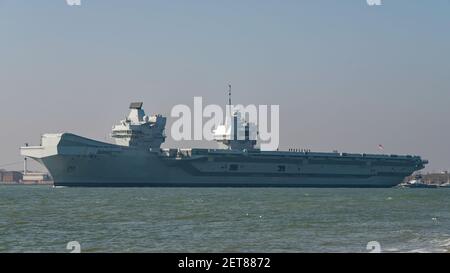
{"x":229,"y":95}
{"x":24,"y":165}
{"x":25,"y":162}
{"x":229,"y":107}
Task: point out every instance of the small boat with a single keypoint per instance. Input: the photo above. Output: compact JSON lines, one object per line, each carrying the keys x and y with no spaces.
{"x":418,"y":183}
{"x":421,"y":185}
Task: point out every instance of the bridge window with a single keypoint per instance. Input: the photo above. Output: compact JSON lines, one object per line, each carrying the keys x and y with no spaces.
{"x":281,"y":168}
{"x":234,"y":167}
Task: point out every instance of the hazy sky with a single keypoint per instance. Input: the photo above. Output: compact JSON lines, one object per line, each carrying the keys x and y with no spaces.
{"x":347,"y":76}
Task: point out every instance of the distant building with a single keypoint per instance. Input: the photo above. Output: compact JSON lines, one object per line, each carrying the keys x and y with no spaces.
{"x":432,"y":178}
{"x":35,"y":177}
{"x":11,"y":176}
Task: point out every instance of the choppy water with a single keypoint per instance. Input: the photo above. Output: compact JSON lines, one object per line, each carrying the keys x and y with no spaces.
{"x":45,"y":219}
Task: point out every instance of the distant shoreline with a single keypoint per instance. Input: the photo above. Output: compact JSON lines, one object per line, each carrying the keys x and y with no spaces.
{"x":46,"y":183}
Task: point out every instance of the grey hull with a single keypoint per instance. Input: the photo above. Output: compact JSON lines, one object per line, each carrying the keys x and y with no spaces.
{"x":150,"y":171}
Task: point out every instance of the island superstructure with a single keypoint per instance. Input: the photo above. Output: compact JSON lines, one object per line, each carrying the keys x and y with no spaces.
{"x":137,"y":160}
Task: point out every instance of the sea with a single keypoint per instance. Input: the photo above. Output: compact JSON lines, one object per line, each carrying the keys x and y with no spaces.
{"x":48,"y":219}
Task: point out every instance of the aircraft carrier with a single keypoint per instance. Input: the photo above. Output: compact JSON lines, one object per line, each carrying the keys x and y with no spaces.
{"x":137,"y":160}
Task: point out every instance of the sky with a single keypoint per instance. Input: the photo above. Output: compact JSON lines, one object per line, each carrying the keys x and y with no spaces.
{"x":347,"y":76}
